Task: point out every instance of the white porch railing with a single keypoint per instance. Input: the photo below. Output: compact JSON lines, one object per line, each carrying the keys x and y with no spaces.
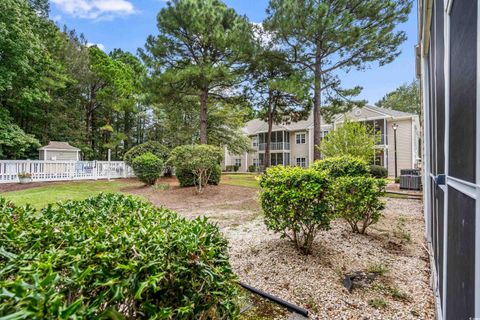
{"x":275,"y":146}
{"x":63,"y":170}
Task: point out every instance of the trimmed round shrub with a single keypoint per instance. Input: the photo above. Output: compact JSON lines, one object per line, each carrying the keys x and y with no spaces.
{"x":112,"y":257}
{"x":357,"y":200}
{"x":342,"y":166}
{"x":197,"y":165}
{"x":295,"y":203}
{"x":161,"y":151}
{"x":148,"y":168}
{"x":378,"y":171}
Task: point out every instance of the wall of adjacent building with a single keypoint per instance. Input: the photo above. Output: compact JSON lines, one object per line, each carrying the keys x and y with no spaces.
{"x":404,"y":146}
{"x":299,"y":150}
{"x":58,"y":155}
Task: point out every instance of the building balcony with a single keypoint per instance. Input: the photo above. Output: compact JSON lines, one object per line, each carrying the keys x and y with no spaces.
{"x":275,"y":146}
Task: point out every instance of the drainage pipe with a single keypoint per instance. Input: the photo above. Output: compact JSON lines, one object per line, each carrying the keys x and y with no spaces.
{"x":283,"y":303}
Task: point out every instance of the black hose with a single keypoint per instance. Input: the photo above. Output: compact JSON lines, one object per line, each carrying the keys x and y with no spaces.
{"x":286,"y":304}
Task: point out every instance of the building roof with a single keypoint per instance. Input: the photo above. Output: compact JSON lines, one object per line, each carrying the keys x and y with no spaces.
{"x":59,"y":145}
{"x":390,"y":112}
{"x":256,"y":125}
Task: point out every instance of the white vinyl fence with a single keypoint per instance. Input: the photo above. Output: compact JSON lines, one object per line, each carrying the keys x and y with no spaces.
{"x":63,"y":170}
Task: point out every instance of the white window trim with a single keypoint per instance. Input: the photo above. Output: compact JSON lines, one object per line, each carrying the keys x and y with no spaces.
{"x":300,"y":165}
{"x":299,"y":134}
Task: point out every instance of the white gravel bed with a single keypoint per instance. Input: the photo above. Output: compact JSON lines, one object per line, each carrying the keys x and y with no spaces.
{"x":395,"y":245}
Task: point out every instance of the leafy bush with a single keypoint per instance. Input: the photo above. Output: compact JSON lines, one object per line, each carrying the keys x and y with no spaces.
{"x":342,"y":166}
{"x":252,"y":168}
{"x":232,"y":168}
{"x":161,"y":151}
{"x":148,"y":168}
{"x":112,"y":257}
{"x":294,"y":201}
{"x":378,"y":171}
{"x":351,"y":138}
{"x":14,"y":142}
{"x":357,"y":200}
{"x":187,"y":179}
{"x":197,"y":165}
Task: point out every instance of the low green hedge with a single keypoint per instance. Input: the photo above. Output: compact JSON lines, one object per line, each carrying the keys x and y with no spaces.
{"x":343,"y":166}
{"x":112,"y":257}
{"x":378,"y":171}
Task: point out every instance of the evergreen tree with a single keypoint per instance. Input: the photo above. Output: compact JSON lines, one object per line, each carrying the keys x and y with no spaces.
{"x":198,"y":52}
{"x":325,"y":36}
{"x":280,"y":92}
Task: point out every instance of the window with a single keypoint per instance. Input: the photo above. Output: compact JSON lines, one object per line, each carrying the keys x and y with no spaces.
{"x":255,"y":141}
{"x":276,"y":159}
{"x":302,"y":162}
{"x":256,"y":162}
{"x":301,"y":138}
{"x":238,"y":162}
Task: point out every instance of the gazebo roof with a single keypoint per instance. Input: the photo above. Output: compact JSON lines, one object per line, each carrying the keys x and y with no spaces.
{"x":59,"y":145}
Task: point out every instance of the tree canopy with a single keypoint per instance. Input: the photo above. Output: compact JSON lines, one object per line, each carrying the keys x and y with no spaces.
{"x":198,"y":54}
{"x":405,"y":98}
{"x":323,"y":37}
{"x":350,"y":139}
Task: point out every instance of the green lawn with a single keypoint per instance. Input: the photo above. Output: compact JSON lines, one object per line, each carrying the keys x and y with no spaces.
{"x":41,"y":196}
{"x":242,"y":180}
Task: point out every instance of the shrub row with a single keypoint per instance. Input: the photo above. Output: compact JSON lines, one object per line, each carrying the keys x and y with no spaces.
{"x":115,"y":257}
{"x":298,"y":203}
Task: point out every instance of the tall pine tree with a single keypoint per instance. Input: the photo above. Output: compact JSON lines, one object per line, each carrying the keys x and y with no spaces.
{"x":325,"y":36}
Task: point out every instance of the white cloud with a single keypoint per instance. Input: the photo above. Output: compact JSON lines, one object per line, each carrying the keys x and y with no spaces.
{"x":57,"y":18}
{"x":99,"y":45}
{"x":95,"y":9}
{"x":264,"y":37}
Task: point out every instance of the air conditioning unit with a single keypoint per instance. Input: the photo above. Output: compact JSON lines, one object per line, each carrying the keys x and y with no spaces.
{"x":410,"y":182}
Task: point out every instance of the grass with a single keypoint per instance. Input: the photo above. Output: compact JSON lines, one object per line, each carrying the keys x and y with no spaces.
{"x":53,"y":192}
{"x":378,"y":303}
{"x":242,"y":180}
{"x":379,"y":269}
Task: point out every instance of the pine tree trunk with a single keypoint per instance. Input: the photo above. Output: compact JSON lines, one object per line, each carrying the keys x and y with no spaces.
{"x":203,"y":116}
{"x":317,"y":104}
{"x":267,"y":160}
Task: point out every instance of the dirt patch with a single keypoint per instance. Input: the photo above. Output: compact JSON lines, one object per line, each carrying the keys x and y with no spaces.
{"x":224,"y":204}
{"x":7,"y":187}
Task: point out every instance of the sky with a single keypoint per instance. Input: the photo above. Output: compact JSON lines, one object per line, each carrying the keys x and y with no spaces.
{"x":126,"y":24}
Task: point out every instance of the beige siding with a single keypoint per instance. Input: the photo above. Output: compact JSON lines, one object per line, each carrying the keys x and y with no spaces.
{"x":298,"y":150}
{"x":230,"y":160}
{"x":362,"y":114}
{"x":404,"y":146}
{"x":59,"y":155}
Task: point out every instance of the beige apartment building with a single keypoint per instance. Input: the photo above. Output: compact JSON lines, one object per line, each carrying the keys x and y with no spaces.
{"x":292,"y":143}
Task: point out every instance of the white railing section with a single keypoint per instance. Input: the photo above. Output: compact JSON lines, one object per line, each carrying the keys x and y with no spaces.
{"x":275,"y":146}
{"x":63,"y":170}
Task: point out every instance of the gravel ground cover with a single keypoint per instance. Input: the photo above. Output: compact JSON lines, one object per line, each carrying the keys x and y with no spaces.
{"x":393,"y":252}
